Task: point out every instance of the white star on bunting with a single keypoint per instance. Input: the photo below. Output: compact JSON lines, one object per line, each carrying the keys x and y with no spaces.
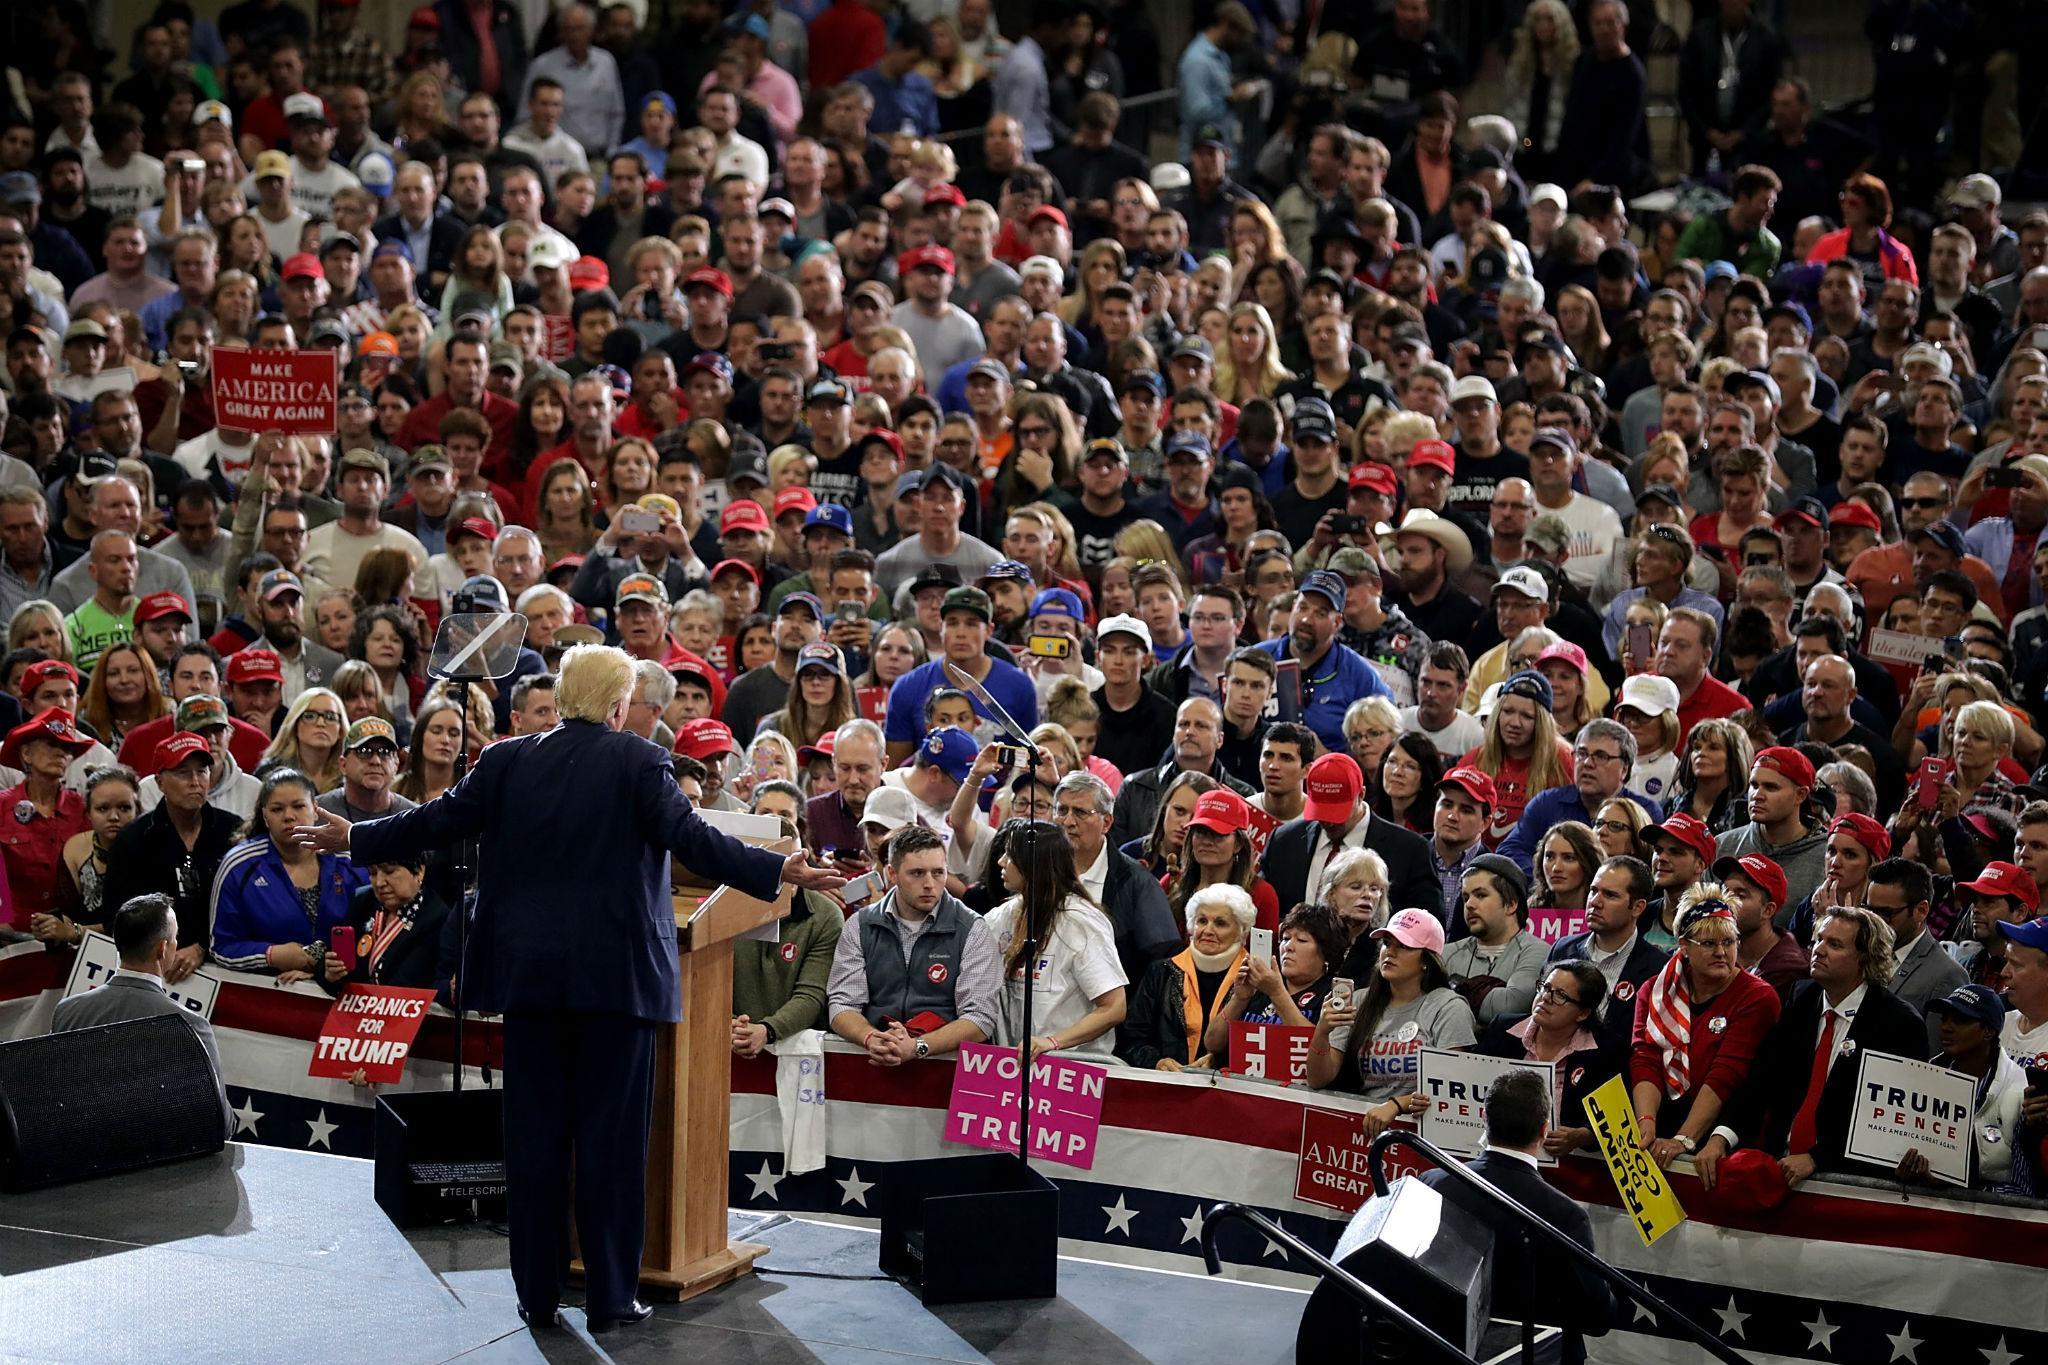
{"x":1905,"y":1346}
{"x":854,"y":1190}
{"x":322,"y":1131}
{"x":1731,"y":1319}
{"x":1120,"y":1216}
{"x":1191,"y":1228}
{"x":1998,"y":1355}
{"x":1639,"y":1313}
{"x":765,"y":1181}
{"x":1821,"y":1331}
{"x":247,"y":1116}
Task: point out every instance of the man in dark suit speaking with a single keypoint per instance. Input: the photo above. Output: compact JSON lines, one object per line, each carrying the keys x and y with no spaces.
{"x":575,"y":944}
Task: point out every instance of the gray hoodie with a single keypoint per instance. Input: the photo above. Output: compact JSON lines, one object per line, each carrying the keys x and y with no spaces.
{"x":1804,"y":860}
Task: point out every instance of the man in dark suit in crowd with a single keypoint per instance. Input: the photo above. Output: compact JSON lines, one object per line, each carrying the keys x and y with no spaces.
{"x":1843,"y":1011}
{"x":146,"y":936}
{"x":1334,"y":818}
{"x":1616,"y":900}
{"x":1517,"y":1117}
{"x":1132,"y":897}
{"x":575,"y":944}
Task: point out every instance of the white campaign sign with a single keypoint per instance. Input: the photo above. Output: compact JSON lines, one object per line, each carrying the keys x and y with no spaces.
{"x":97,"y":961}
{"x":1455,"y":1084}
{"x":1903,"y":1105}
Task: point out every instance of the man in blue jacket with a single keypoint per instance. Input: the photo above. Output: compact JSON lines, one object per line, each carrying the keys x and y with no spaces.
{"x":1601,"y":759}
{"x":1332,"y":675}
{"x":575,"y":944}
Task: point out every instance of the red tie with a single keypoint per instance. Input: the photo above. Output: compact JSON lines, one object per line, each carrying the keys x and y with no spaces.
{"x":1803,"y":1135}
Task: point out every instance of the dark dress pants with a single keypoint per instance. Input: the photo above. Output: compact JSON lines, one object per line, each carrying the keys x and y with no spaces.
{"x":579,"y":1096}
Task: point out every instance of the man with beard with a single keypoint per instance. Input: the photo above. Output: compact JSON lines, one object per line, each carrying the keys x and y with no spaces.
{"x":307,"y":663}
{"x":65,"y":204}
{"x":1332,"y":676}
{"x":759,"y":691}
{"x":1432,"y":548}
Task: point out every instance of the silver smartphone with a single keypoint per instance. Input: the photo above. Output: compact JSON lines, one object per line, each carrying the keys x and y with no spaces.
{"x":1340,"y":994}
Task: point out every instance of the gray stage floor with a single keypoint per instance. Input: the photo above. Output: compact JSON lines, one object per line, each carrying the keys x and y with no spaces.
{"x":264,"y":1255}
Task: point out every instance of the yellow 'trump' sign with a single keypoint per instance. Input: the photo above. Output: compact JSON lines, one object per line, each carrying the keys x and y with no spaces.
{"x":1646,"y":1193}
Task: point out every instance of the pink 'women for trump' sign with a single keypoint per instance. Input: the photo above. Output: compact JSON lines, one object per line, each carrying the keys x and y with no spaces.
{"x":1066,"y":1104}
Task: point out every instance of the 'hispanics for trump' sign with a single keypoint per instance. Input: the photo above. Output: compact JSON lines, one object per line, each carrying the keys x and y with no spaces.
{"x":1903,"y":1106}
{"x":370,"y":1029}
{"x":1455,"y":1084}
{"x":1270,"y":1052}
{"x":1066,"y":1104}
{"x":289,"y":391}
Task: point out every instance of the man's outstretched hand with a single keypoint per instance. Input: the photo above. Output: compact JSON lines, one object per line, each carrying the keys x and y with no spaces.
{"x":327,"y":834}
{"x":799,"y":871}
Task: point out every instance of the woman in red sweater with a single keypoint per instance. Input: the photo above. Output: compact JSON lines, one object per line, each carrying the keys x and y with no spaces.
{"x":1699,"y":1023}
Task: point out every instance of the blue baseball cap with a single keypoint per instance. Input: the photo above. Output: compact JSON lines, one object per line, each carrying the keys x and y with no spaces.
{"x":1327,"y":585}
{"x":2032,"y":934}
{"x":486,"y":590}
{"x":831,"y":516}
{"x":908,"y":482}
{"x":1187,"y":443}
{"x":950,"y":749}
{"x":662,"y":98}
{"x":802,"y":599}
{"x":1057,"y":602}
{"x":1978,"y":1004}
{"x":1718,"y":270}
{"x":818,"y":654}
{"x":1005,"y":568}
{"x":393,"y":246}
{"x":1528,"y":683}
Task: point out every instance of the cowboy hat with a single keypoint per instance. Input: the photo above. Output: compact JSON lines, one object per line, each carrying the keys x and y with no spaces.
{"x":1420,"y":521}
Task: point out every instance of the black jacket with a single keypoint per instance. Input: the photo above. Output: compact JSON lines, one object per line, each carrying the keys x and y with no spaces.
{"x":423,"y":955}
{"x":149,"y":856}
{"x":1137,"y":804}
{"x":594,"y":236}
{"x":1645,"y":960}
{"x":1529,"y":1282}
{"x":1762,"y":1108}
{"x":1155,"y":1027}
{"x":1410,"y":880}
{"x":444,"y":238}
{"x":1139,"y":914}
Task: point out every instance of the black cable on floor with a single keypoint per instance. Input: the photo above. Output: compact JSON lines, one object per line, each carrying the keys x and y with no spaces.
{"x":815,"y":1274}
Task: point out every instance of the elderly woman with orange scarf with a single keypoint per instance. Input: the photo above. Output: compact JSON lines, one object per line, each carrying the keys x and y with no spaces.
{"x":1699,"y":1023}
{"x":1163,"y":1029}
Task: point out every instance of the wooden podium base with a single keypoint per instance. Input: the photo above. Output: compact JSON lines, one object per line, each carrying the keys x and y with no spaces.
{"x":686,"y":1282}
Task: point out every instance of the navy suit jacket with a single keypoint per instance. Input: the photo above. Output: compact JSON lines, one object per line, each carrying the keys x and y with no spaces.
{"x":1410,"y":881}
{"x":573,"y":904}
{"x":1644,"y":961}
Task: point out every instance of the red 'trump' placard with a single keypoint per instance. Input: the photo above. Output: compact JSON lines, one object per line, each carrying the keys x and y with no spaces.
{"x":370,"y":1028}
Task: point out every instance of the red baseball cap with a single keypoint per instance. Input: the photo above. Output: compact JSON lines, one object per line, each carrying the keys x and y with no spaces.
{"x":703,"y":737}
{"x":160,"y":605}
{"x":1474,"y":784}
{"x":1374,"y":475}
{"x":36,"y":674}
{"x":304,"y":266}
{"x":794,"y":500}
{"x":1221,"y":812}
{"x":1689,"y":830}
{"x":474,"y":526}
{"x":2006,"y":879}
{"x":1788,"y":763}
{"x":945,"y":194}
{"x":1435,"y":455}
{"x":1753,"y":1178}
{"x":1866,"y":832}
{"x":1334,"y":785}
{"x":932,"y":257}
{"x":255,"y":665}
{"x":740,"y":564}
{"x":174,"y":749}
{"x":811,"y":753}
{"x":743,"y":515}
{"x":589,"y":272}
{"x":1765,"y":872}
{"x":1853,"y":513}
{"x":1046,"y":211}
{"x":709,"y":277}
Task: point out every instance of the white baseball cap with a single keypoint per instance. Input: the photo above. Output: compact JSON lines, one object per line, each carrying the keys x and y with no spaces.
{"x":1547,"y":193}
{"x":1125,"y":625}
{"x":890,"y":807}
{"x":1526,"y":581}
{"x":1473,"y":386}
{"x":1043,"y":265}
{"x":1650,"y":693}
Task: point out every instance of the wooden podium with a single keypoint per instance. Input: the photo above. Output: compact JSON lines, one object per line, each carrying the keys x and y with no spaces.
{"x":688,"y":1147}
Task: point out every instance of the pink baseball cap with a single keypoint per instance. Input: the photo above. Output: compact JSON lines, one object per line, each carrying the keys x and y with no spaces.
{"x":1415,"y":929}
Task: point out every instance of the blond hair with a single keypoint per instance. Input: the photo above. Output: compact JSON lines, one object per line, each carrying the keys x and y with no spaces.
{"x":595,"y":679}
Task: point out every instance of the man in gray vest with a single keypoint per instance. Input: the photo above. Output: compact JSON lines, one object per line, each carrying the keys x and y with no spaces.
{"x":916,"y":974}
{"x":146,"y":936}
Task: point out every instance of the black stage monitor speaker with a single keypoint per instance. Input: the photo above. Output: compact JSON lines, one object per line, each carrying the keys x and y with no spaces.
{"x":1420,"y":1250}
{"x":95,"y":1101}
{"x":969,"y":1229}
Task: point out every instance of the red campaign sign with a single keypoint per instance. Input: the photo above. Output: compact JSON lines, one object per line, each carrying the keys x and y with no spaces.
{"x":1553,"y":925}
{"x":371,"y":1029}
{"x":1262,"y":828}
{"x":1334,"y":1169}
{"x":1270,"y":1052}
{"x":289,"y":391}
{"x":873,"y":703}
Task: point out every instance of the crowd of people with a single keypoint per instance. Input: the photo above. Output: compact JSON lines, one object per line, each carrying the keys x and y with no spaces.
{"x":1616,"y":643}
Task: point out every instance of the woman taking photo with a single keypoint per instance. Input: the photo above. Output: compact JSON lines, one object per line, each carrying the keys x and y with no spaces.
{"x":125,"y":692}
{"x":1292,"y":993}
{"x":1078,"y":982}
{"x":1404,"y":791}
{"x":1216,"y":849}
{"x":1561,"y":1030}
{"x":430,"y":760}
{"x":275,"y":903}
{"x":1713,"y":775}
{"x":1176,"y":1000}
{"x":1521,"y":751}
{"x":46,"y":815}
{"x":1371,"y":1045}
{"x":1497,"y":967}
{"x":1699,"y":1023}
{"x":1566,"y":860}
{"x":404,"y":934}
{"x":111,"y":804}
{"x":309,"y":739}
{"x":820,"y":700}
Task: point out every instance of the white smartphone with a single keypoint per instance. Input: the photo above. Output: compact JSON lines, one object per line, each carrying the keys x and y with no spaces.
{"x":861,"y":889}
{"x":1340,"y":994}
{"x":1262,"y":944}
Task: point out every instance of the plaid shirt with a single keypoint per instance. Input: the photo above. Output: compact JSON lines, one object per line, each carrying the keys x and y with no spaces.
{"x":352,"y":58}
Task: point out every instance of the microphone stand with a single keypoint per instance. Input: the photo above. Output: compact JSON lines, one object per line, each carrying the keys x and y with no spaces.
{"x":465,"y":877}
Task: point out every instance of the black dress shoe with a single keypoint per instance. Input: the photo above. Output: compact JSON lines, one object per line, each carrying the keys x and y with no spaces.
{"x":551,"y":1318}
{"x":632,"y":1313}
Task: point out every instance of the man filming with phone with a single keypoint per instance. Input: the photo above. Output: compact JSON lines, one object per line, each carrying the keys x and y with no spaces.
{"x":1053,"y":643}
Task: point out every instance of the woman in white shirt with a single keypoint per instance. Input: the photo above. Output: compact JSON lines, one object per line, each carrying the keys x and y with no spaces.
{"x":1077,"y":980}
